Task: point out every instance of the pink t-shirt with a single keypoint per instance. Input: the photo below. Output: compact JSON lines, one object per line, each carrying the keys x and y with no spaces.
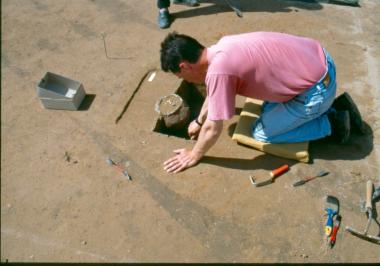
{"x":268,"y":66}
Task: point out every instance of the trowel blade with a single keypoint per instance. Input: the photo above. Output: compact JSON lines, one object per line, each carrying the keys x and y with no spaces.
{"x":264,"y":183}
{"x":332,"y":203}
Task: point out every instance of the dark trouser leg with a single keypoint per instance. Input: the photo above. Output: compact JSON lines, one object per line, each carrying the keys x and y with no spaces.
{"x":163,"y":3}
{"x":163,"y":14}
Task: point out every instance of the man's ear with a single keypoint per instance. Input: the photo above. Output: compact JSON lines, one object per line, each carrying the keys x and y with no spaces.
{"x":184,"y":65}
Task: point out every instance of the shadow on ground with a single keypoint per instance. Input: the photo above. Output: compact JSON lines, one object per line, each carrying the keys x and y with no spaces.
{"x":87,"y":101}
{"x":263,"y":161}
{"x":272,"y":6}
{"x":357,"y":148}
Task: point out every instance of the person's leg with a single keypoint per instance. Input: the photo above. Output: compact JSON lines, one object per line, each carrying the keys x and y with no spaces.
{"x":187,"y":2}
{"x":303,"y":118}
{"x":163,"y":14}
{"x":163,"y":4}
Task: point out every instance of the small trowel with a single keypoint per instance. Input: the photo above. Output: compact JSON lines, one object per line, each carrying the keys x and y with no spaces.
{"x":273,"y":175}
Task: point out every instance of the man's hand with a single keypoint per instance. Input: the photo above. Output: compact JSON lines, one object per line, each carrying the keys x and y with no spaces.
{"x":182,"y":160}
{"x":210,"y":132}
{"x":193,"y":130}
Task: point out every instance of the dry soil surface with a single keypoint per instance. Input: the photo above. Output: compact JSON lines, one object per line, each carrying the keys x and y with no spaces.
{"x":61,"y":201}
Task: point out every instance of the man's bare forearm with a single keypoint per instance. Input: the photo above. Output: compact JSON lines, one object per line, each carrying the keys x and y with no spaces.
{"x":203,"y":113}
{"x":209,"y":134}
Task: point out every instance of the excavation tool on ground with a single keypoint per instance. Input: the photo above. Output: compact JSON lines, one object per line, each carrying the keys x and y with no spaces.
{"x":369,"y":211}
{"x":335,"y":230}
{"x":307,"y":179}
{"x":332,"y":209}
{"x":273,"y":174}
{"x":119,"y":168}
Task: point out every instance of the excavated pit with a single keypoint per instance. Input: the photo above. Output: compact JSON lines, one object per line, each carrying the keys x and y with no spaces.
{"x":194,"y":97}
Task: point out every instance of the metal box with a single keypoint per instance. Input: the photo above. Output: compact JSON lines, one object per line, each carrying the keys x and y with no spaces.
{"x":58,"y":92}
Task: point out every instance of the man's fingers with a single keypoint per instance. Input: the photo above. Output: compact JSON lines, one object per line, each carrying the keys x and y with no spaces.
{"x":179,"y":162}
{"x":176,"y":164}
{"x":169,"y":161}
{"x":172,"y":167}
{"x":177,"y":168}
{"x":183,"y":164}
{"x":172,"y":164}
{"x":169,"y":167}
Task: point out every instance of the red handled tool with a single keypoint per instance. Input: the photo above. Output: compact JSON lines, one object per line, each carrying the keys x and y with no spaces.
{"x":335,"y":230}
{"x":118,"y":168}
{"x":307,"y":179}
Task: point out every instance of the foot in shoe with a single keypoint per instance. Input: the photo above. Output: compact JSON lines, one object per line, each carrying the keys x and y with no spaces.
{"x":163,"y":19}
{"x":345,"y":102}
{"x":340,"y":126}
{"x":187,"y":2}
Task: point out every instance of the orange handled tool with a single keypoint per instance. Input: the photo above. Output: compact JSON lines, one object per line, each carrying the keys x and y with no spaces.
{"x":273,"y":174}
{"x":279,"y":171}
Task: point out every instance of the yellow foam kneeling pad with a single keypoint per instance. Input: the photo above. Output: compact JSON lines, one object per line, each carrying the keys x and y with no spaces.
{"x":243,"y":134}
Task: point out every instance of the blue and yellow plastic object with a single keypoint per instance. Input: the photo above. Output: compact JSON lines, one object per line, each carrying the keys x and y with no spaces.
{"x":332,"y":209}
{"x":330,"y":221}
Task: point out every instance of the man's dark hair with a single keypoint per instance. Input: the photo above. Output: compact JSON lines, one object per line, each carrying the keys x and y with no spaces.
{"x":179,"y":47}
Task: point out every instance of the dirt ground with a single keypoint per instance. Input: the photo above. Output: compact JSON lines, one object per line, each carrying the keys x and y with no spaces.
{"x":61,"y":201}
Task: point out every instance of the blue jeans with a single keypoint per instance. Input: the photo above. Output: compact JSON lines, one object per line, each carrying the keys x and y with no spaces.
{"x":303,"y":118}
